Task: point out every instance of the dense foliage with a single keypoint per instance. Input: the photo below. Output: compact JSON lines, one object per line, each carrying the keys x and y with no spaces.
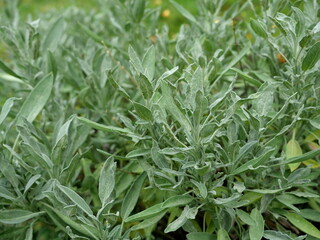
{"x":113,"y":127}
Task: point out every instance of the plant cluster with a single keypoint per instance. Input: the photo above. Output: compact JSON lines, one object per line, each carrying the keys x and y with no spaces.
{"x":113,"y":128}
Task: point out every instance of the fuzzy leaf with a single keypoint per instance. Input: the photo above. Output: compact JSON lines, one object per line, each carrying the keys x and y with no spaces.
{"x":107,"y":180}
{"x":256,"y":231}
{"x":149,"y":63}
{"x":176,"y":201}
{"x":132,"y":196}
{"x":148,"y":213}
{"x":54,"y":35}
{"x":312,"y":57}
{"x":76,"y":199}
{"x":303,"y":224}
{"x":16,"y":216}
{"x":6,"y":108}
{"x":258,"y":29}
{"x":36,"y":100}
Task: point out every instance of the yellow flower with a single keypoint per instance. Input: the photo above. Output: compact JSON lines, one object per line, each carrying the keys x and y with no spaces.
{"x":280,"y":58}
{"x":249,"y":36}
{"x":153,"y":38}
{"x":166,"y":13}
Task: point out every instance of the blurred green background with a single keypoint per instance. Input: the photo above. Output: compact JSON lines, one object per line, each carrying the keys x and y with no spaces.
{"x":34,"y":7}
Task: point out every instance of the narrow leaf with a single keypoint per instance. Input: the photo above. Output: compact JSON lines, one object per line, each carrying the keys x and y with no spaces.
{"x":256,"y":231}
{"x":148,"y":222}
{"x":54,"y":35}
{"x":254,"y":162}
{"x":149,"y":63}
{"x":87,"y":230}
{"x":6,"y":194}
{"x":31,"y":181}
{"x":175,"y":201}
{"x":169,"y":104}
{"x":16,"y":216}
{"x":142,"y":111}
{"x":132,"y":196}
{"x":187,"y":213}
{"x":258,"y":29}
{"x":245,"y":217}
{"x":303,"y":157}
{"x":234,"y":61}
{"x":105,"y":128}
{"x":145,"y":86}
{"x":200,"y":236}
{"x":76,"y":199}
{"x":135,"y":60}
{"x":223,"y":235}
{"x":311,"y":214}
{"x":312,"y":57}
{"x":148,"y":213}
{"x":107,"y":180}
{"x":184,"y":12}
{"x":7,"y":70}
{"x":36,"y":100}
{"x":63,"y":131}
{"x":303,"y":224}
{"x":274,"y":235}
{"x":6,"y":108}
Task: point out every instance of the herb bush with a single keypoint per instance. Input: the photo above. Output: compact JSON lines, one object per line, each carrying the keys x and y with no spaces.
{"x":113,"y":128}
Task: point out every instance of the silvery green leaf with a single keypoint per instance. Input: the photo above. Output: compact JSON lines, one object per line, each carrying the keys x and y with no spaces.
{"x":245,"y":217}
{"x":276,"y":235}
{"x":36,"y":100}
{"x":31,"y":181}
{"x":158,"y":158}
{"x":312,"y":57}
{"x":135,"y":60}
{"x":6,"y":108}
{"x":132,"y":196}
{"x":16,"y":216}
{"x":63,"y":131}
{"x":169,"y":103}
{"x":184,"y":12}
{"x":200,"y":235}
{"x":303,"y":224}
{"x":301,"y":21}
{"x":223,"y":234}
{"x":149,"y":222}
{"x":310,"y":214}
{"x":187,"y":213}
{"x":7,"y":70}
{"x":76,"y":199}
{"x":105,"y":128}
{"x":149,"y":63}
{"x":145,"y":86}
{"x":107,"y":180}
{"x":179,"y":200}
{"x":258,"y":28}
{"x":143,"y":112}
{"x":239,"y":186}
{"x":6,"y":194}
{"x":56,"y":215}
{"x":138,"y":153}
{"x":54,"y":35}
{"x":29,"y":233}
{"x":256,"y":231}
{"x":147,"y":213}
{"x":8,"y":171}
{"x":201,"y":187}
